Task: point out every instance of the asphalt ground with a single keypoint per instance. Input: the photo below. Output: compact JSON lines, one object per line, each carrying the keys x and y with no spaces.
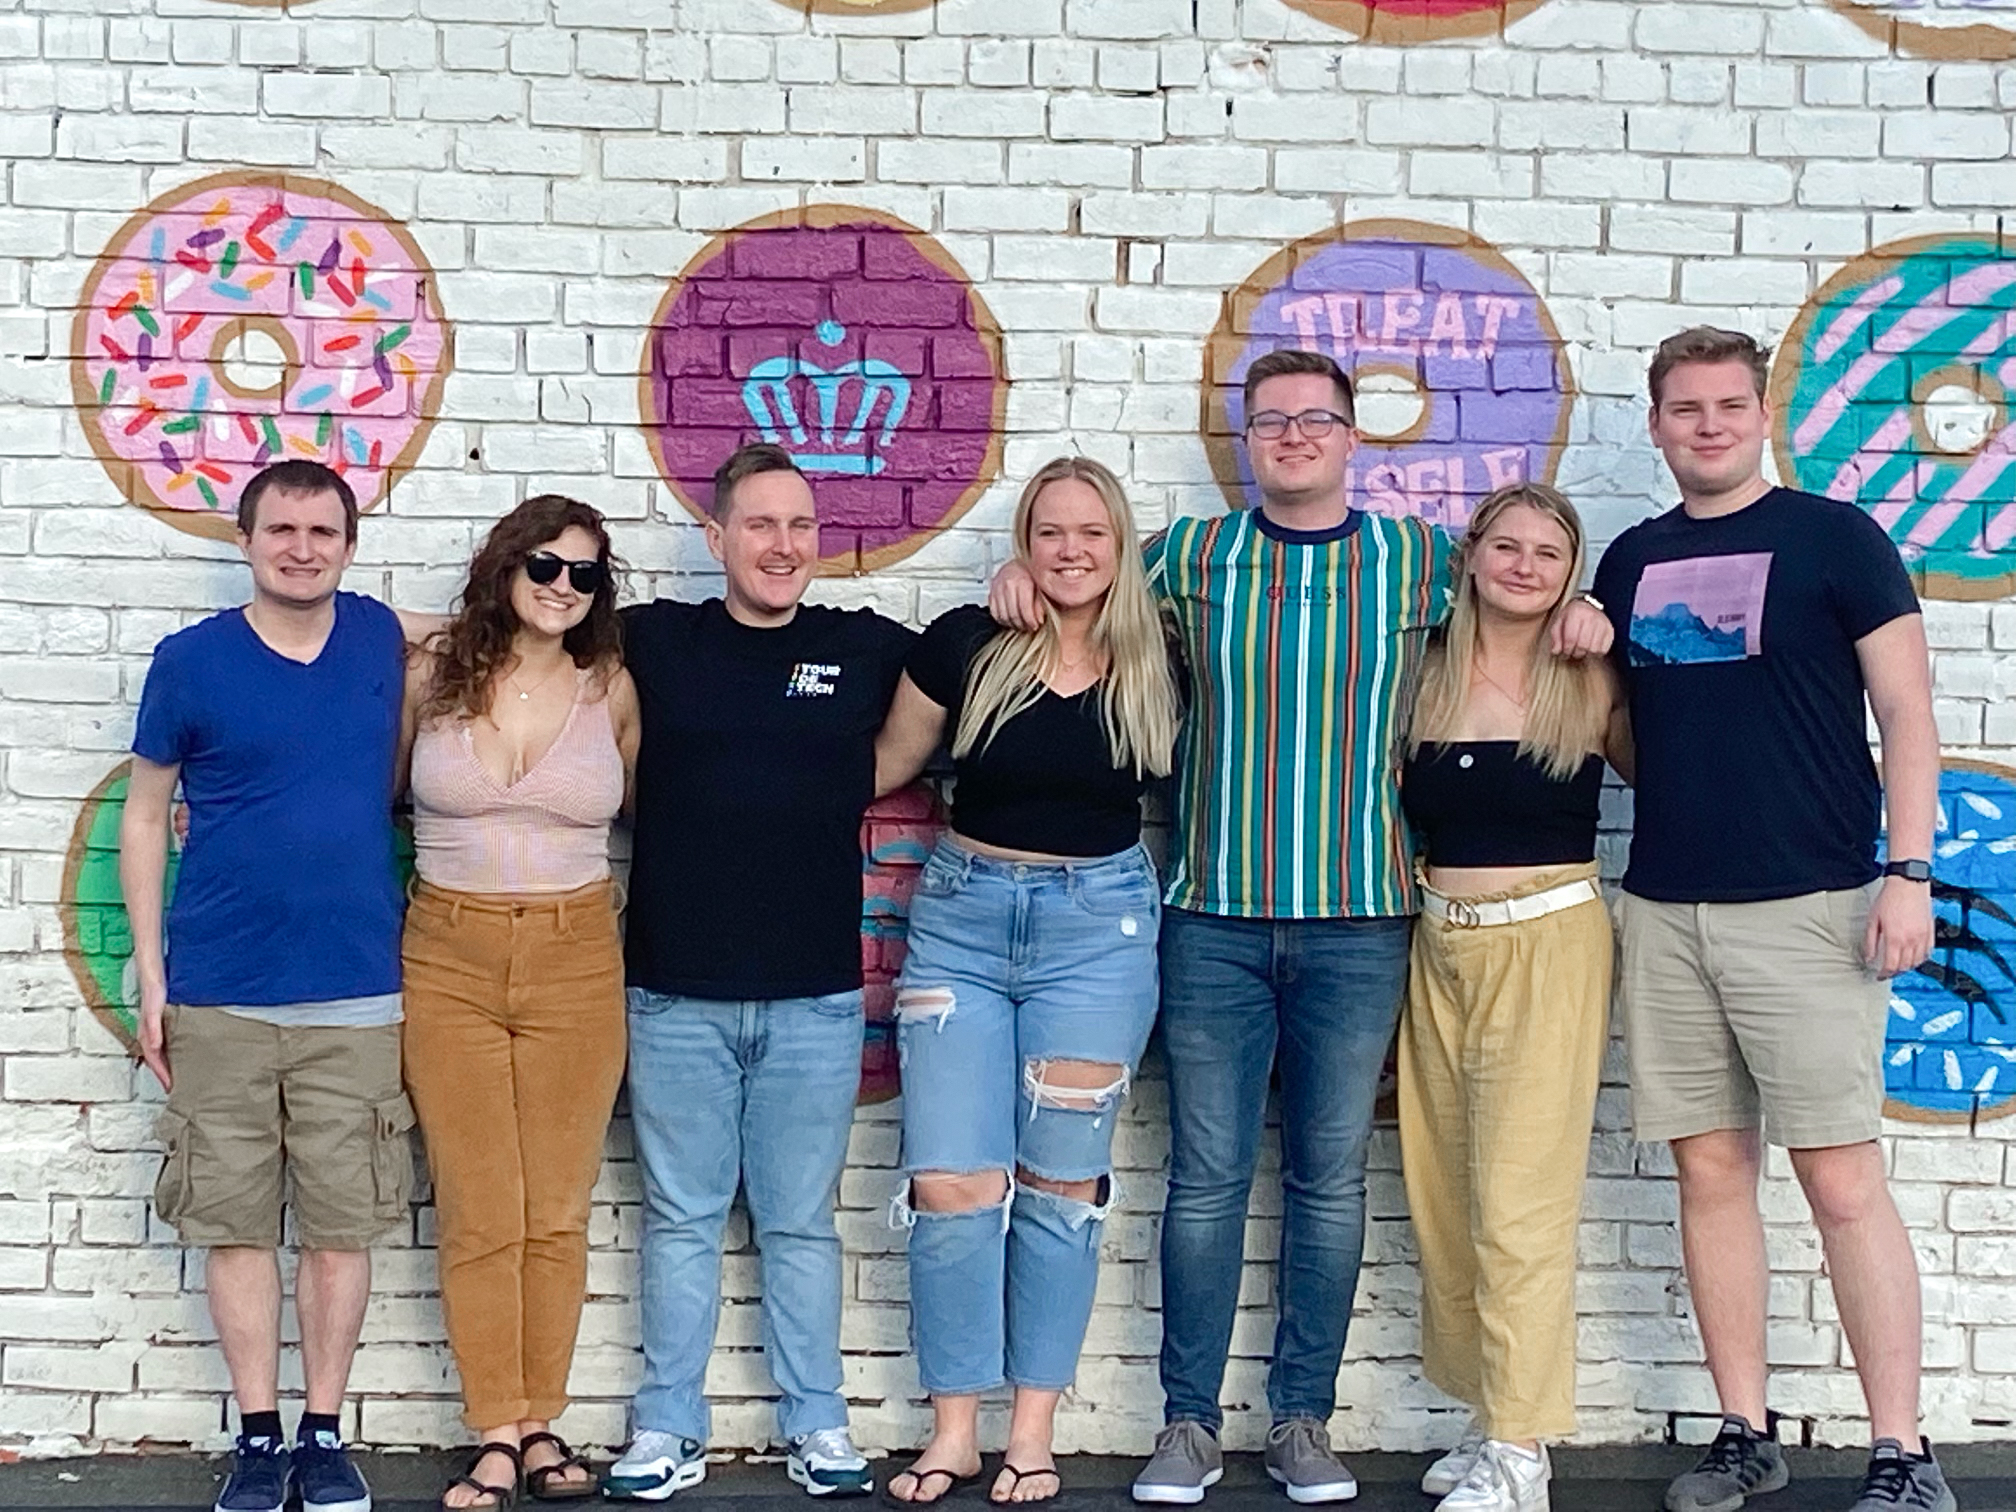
{"x":1585,"y":1480}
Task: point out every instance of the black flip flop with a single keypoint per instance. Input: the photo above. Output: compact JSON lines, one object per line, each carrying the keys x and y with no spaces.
{"x":1020,"y":1475}
{"x":504,"y":1496}
{"x":954,"y":1484}
{"x":539,"y":1480}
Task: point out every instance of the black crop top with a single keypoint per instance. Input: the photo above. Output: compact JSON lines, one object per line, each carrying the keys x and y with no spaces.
{"x":1479,"y":803}
{"x":1046,"y":781}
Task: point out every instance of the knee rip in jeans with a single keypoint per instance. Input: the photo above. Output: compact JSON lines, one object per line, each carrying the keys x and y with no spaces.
{"x":1067,"y":1086}
{"x":967,"y":1193}
{"x":1077,"y":1211}
{"x":915,"y":1004}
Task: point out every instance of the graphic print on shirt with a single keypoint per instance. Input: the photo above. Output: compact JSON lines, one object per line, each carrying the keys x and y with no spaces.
{"x":812,"y":680}
{"x":1700,"y":609}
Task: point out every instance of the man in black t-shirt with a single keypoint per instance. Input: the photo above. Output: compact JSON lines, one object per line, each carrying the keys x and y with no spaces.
{"x":743,"y":956}
{"x":1756,"y":927}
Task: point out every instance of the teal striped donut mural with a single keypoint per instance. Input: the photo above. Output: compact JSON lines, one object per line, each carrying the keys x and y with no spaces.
{"x":1893,"y":390}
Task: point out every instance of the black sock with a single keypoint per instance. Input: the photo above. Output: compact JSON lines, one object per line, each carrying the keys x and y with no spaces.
{"x":317,"y":1422}
{"x":266,"y":1425}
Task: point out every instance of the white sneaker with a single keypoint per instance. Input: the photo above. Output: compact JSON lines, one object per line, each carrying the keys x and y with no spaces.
{"x":1504,"y":1478}
{"x":655,"y":1465}
{"x":1447,"y":1473}
{"x":826,"y":1463}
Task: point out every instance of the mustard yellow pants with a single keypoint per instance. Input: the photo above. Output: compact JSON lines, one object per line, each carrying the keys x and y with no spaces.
{"x":1501,"y":1046}
{"x":514,"y":1048}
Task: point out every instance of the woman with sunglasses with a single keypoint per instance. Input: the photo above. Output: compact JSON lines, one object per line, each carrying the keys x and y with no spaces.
{"x":524,"y":731}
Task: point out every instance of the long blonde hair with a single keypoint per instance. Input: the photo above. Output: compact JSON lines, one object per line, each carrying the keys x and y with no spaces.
{"x":1137,"y":693}
{"x":1567,"y":707}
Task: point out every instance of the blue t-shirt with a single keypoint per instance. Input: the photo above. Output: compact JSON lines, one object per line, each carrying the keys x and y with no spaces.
{"x":1736,"y":643}
{"x":289,"y":889}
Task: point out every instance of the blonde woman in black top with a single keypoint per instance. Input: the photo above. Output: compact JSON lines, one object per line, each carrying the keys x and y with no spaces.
{"x":1508,"y":992}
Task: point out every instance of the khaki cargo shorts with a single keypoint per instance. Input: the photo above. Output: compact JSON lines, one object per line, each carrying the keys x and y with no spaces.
{"x":251,"y":1102}
{"x":1737,"y":1014}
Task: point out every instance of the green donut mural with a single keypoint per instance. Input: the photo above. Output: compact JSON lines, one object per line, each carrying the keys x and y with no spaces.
{"x":96,"y":939}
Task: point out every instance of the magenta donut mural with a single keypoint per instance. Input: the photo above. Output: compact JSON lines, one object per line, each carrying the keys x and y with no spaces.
{"x":1416,"y":20}
{"x":246,"y":318}
{"x":850,"y":339}
{"x":1463,"y":384}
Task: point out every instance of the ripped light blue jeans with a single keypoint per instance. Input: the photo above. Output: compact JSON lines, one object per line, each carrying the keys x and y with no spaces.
{"x":1014,"y":967}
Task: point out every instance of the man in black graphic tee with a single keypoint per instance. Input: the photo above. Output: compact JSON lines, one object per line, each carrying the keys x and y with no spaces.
{"x":1756,"y":928}
{"x":743,"y":957}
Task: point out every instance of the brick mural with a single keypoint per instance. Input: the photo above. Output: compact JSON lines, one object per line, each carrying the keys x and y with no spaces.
{"x":1064,"y":224}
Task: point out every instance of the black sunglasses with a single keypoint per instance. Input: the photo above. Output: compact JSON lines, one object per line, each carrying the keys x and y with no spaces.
{"x":585,"y":577}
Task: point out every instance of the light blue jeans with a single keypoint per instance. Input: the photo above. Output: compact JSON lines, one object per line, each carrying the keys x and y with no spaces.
{"x":759,"y":1094}
{"x":1012,"y":966}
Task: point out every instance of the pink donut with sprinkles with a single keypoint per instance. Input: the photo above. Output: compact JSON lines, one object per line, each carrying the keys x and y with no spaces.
{"x":248,"y":318}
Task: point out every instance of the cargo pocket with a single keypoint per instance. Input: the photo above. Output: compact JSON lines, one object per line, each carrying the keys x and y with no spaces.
{"x":171,"y":1187}
{"x":391,"y":1158}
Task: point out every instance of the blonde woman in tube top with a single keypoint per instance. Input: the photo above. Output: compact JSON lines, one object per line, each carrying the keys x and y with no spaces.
{"x":1508,"y":992}
{"x":525,"y":728}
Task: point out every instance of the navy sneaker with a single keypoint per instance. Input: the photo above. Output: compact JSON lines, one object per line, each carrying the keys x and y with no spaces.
{"x":326,"y":1479}
{"x":258,"y":1479}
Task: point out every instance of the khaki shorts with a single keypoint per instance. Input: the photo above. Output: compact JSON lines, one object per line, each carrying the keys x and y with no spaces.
{"x":1741,"y":1013}
{"x":251,"y":1100}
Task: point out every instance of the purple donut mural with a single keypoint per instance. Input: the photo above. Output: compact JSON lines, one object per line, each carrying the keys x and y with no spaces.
{"x":856,"y":343}
{"x":1463,"y":384}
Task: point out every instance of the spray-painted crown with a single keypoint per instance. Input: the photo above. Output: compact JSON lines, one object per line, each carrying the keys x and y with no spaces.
{"x":800,"y":406}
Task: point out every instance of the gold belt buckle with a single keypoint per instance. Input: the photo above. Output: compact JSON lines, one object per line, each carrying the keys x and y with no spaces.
{"x":1463,"y":914}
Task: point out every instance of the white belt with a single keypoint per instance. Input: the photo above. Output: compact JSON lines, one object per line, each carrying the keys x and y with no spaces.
{"x":1461,"y":913}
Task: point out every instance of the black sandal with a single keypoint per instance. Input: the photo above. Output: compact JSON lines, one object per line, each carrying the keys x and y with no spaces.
{"x":1020,"y":1475}
{"x":539,"y":1478}
{"x":954,"y":1483}
{"x":501,"y":1496}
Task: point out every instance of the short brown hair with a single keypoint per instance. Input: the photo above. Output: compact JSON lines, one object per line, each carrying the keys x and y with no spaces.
{"x":1286,"y":360}
{"x":1706,"y":343}
{"x":746,"y":462}
{"x":297,"y":475}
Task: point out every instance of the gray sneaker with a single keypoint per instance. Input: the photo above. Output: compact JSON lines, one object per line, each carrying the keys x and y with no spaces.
{"x":1897,"y":1479}
{"x":1299,"y":1456}
{"x":1186,"y":1462}
{"x":1741,"y":1463}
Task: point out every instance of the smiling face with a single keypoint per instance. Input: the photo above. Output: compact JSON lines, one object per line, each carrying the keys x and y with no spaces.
{"x":768,"y":545}
{"x":1072,"y":550}
{"x":1521,"y":563}
{"x":1297,"y":469}
{"x":552,"y":609}
{"x":1710,"y":425}
{"x":298,"y":548}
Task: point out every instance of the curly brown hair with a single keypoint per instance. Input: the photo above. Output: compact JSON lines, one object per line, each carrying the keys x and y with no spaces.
{"x":476,"y":644}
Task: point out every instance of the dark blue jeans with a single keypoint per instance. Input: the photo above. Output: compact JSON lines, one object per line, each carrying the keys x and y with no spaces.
{"x":1322,"y":997}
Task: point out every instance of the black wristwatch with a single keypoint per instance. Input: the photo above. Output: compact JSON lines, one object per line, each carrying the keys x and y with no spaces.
{"x":1910,"y":871}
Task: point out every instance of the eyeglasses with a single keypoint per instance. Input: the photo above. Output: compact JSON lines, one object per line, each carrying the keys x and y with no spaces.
{"x":1272,"y":425}
{"x":543,"y":567}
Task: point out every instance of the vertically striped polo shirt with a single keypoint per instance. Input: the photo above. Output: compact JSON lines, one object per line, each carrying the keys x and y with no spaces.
{"x":1304,"y":649}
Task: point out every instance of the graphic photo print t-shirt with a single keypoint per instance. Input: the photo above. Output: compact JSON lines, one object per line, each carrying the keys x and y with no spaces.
{"x":1736,"y":643}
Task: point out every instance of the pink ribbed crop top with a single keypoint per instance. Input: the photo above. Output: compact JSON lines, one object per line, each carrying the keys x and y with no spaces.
{"x":546,"y":832}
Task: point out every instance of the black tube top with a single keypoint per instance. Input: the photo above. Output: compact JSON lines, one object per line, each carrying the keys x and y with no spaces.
{"x":1478,"y":803}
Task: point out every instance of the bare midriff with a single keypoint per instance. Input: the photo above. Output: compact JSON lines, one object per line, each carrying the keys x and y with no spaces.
{"x":1483,"y":881}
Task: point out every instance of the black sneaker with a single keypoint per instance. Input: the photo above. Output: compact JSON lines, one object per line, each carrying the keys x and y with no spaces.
{"x":258,"y":1479}
{"x":1897,"y":1479}
{"x":326,"y":1479}
{"x":1740,"y":1464}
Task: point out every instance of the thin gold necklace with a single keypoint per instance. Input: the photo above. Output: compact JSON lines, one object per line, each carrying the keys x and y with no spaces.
{"x":1517,"y":702}
{"x":524,"y":697}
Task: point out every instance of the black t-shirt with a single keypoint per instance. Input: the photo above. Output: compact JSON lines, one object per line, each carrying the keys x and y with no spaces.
{"x":758,"y":757}
{"x":1736,"y":642}
{"x":1046,"y":782}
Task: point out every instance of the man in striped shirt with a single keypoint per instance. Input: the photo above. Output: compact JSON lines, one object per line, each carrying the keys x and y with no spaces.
{"x":1290,"y":898}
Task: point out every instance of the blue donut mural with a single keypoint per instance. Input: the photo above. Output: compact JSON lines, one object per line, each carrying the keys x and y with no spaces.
{"x":1950,"y":1051}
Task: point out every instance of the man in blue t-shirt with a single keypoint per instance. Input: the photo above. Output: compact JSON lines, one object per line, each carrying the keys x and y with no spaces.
{"x":1756,"y":927}
{"x":269,"y":1007}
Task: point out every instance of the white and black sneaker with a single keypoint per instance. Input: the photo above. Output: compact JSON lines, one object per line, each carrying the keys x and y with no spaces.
{"x":826,"y":1463}
{"x":655,"y":1466}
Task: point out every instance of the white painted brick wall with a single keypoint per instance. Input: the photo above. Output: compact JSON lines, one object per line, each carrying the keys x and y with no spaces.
{"x":1103,"y":169}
